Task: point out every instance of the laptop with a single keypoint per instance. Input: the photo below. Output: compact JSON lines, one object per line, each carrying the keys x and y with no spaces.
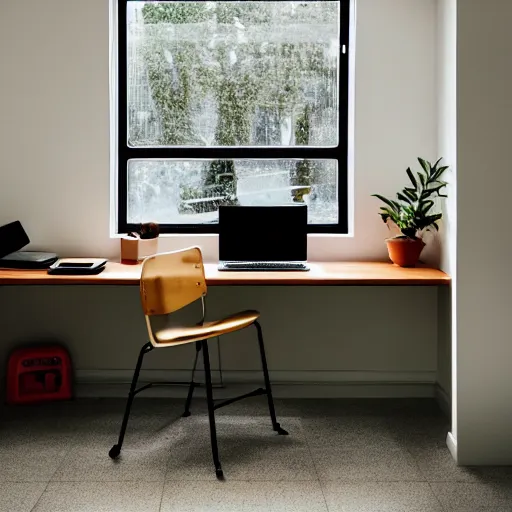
{"x":263,"y":238}
{"x":13,"y":237}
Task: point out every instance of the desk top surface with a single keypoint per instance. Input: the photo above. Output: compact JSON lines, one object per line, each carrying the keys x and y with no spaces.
{"x":321,"y":274}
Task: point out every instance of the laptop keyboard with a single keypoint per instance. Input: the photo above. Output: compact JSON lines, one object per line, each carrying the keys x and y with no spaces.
{"x":263,"y":265}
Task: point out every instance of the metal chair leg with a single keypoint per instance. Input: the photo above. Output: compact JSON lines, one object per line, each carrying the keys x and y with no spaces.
{"x":211,"y":413}
{"x":275,"y":425}
{"x":192,"y":383}
{"x":219,"y":357}
{"x":116,"y":449}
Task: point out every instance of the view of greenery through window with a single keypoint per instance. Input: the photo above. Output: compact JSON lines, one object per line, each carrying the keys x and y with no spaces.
{"x":232,"y":74}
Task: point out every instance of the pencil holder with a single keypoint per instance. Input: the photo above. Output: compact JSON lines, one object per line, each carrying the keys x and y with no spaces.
{"x":136,"y":249}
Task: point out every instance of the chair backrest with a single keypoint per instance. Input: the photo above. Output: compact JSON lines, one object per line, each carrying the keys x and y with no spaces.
{"x":171,"y":281}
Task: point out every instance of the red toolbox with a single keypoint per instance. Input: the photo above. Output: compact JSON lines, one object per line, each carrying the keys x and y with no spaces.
{"x":39,"y":374}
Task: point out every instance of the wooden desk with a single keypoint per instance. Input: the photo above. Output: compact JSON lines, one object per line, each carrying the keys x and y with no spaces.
{"x":321,"y":274}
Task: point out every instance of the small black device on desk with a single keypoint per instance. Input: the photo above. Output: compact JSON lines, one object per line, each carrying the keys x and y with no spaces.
{"x":263,"y":238}
{"x":78,"y":266}
{"x":13,"y":238}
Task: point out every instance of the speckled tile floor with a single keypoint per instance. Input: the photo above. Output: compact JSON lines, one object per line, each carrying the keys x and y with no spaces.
{"x":341,"y":456}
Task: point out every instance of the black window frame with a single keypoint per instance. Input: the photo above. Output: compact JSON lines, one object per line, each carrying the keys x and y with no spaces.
{"x":126,"y":153}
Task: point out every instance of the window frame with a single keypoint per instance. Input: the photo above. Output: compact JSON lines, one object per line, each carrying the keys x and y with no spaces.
{"x":125,"y":153}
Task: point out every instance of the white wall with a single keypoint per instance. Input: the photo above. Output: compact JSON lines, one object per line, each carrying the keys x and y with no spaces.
{"x":55,"y":94}
{"x":484,"y":280}
{"x":350,"y":334}
{"x":447,"y":148}
{"x":54,"y":162}
{"x":54,"y":138}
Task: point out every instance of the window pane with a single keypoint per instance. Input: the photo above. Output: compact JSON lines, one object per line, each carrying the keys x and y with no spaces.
{"x":251,"y":73}
{"x":190,"y":192}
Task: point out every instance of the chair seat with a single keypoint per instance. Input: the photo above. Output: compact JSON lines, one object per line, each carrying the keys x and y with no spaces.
{"x":180,"y":335}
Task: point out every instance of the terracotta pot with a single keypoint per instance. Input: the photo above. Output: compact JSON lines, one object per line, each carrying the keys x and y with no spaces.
{"x":405,"y":252}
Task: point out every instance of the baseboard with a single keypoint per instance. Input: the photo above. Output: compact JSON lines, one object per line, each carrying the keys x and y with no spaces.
{"x":451,"y":442}
{"x":444,"y":400}
{"x":285,"y":384}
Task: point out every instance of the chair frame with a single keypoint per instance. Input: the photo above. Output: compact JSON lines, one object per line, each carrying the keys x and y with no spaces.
{"x":202,"y":346}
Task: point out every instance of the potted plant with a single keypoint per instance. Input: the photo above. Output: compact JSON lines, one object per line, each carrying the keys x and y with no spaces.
{"x":411,"y":212}
{"x":140,"y":244}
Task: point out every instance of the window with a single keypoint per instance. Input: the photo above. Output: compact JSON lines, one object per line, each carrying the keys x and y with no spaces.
{"x":241,"y":102}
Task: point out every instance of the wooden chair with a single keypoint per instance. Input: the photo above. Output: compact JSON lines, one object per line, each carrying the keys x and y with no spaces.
{"x":169,"y":282}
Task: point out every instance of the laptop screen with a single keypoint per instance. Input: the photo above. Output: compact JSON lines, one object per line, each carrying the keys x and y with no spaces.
{"x":12,"y":238}
{"x":263,"y":233}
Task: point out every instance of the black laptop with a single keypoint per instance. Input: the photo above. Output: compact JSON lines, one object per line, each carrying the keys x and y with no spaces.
{"x":263,"y":237}
{"x":13,"y":237}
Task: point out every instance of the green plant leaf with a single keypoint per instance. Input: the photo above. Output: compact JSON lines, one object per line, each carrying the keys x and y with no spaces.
{"x":425,"y":165}
{"x":411,"y":194}
{"x":426,"y":205}
{"x":403,"y":197}
{"x":411,"y":210}
{"x":431,"y":219}
{"x":412,"y":178}
{"x":388,"y":212}
{"x":434,"y":167}
{"x":408,"y":209}
{"x":398,"y":206}
{"x":435,"y":189}
{"x":437,"y":184}
{"x":431,"y":191}
{"x":390,"y":203}
{"x":439,"y":172}
{"x":409,"y":232}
